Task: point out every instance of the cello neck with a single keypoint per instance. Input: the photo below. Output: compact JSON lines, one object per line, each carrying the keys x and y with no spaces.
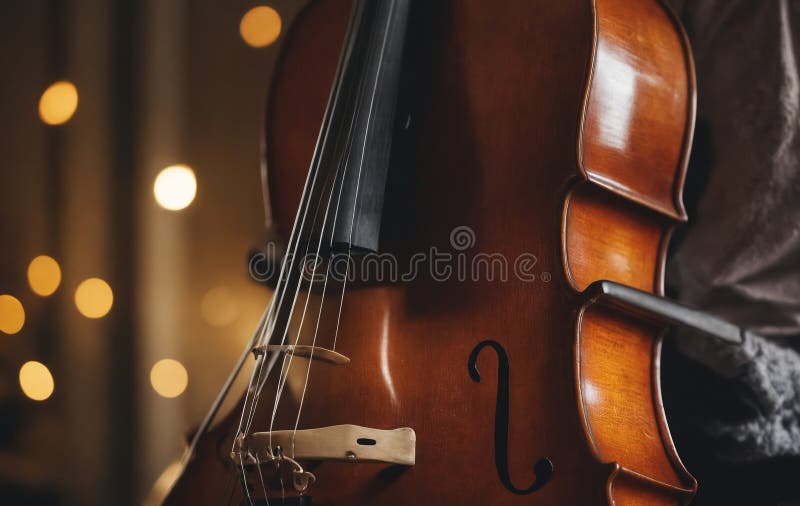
{"x":356,"y":142}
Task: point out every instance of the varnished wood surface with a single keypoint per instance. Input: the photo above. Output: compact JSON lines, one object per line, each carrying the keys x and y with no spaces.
{"x":506,"y":104}
{"x":608,"y":237}
{"x":616,"y":391}
{"x":640,"y":107}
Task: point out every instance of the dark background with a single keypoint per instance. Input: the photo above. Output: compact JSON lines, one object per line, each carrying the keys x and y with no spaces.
{"x":160,"y":82}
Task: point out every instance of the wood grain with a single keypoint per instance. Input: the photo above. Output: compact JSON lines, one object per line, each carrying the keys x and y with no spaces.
{"x":518,"y":127}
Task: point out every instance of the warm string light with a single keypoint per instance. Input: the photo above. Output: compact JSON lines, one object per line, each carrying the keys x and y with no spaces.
{"x":36,"y":381}
{"x":175,"y":187}
{"x":58,"y":103}
{"x":94,"y":298}
{"x":169,"y":378}
{"x":44,"y":275}
{"x":218,"y":307}
{"x":12,"y":314}
{"x":260,"y":26}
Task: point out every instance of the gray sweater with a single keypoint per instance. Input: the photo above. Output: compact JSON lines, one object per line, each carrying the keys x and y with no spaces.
{"x":740,"y":256}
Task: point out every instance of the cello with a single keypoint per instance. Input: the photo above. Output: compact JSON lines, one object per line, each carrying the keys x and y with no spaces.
{"x":476,"y":202}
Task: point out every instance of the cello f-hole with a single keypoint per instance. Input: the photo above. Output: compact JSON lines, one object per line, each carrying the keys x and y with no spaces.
{"x":543,"y":468}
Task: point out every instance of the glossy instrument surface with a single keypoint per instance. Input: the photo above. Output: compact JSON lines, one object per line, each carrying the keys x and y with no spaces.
{"x":557,"y":130}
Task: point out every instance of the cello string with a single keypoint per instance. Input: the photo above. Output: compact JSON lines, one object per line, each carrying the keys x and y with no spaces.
{"x":348,"y":151}
{"x":256,"y":393}
{"x":333,"y":100}
{"x":361,"y":164}
{"x":332,"y":179}
{"x":283,"y":377}
{"x":272,"y":315}
{"x":276,"y":302}
{"x":251,"y":389}
{"x":221,"y":396}
{"x":256,"y":379}
{"x":262,"y":382}
{"x":257,"y":371}
{"x":341,"y":299}
{"x":281,"y":294}
{"x":311,"y":177}
{"x":274,"y":307}
{"x":244,"y":483}
{"x":329,"y":184}
{"x":321,"y":305}
{"x":324,"y":290}
{"x":355,"y":198}
{"x":261,"y":477}
{"x":229,"y":488}
{"x":310,"y":358}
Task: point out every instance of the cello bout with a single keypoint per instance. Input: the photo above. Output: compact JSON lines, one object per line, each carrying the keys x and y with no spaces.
{"x":636,"y":133}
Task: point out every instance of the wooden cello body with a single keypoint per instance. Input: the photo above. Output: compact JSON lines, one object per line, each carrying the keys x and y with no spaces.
{"x":553,"y":132}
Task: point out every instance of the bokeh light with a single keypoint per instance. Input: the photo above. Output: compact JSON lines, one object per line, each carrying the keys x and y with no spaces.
{"x":94,"y":298}
{"x":260,"y":26}
{"x":175,"y":187}
{"x":169,"y":378}
{"x":44,"y":275}
{"x":12,"y":315}
{"x":36,"y":381}
{"x":219,"y":307}
{"x":58,"y":103}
